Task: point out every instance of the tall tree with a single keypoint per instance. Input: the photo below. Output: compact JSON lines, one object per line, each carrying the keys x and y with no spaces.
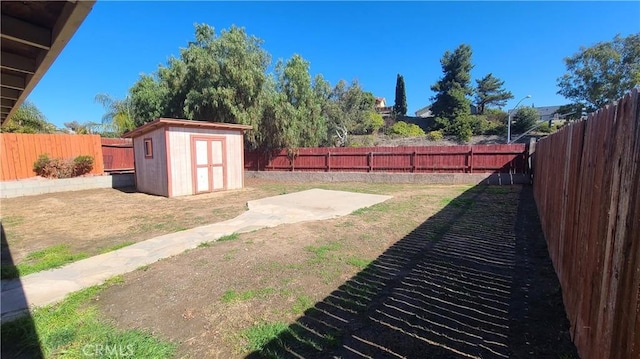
{"x":348,"y":112}
{"x":490,"y":92}
{"x":119,"y":114}
{"x":450,"y":102}
{"x":87,"y":128}
{"x":216,"y":78}
{"x":292,"y":117}
{"x":28,"y":119}
{"x":602,"y":73}
{"x":400,"y":106}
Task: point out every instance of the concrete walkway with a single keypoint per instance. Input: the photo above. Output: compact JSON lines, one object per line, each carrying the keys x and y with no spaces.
{"x":51,"y":286}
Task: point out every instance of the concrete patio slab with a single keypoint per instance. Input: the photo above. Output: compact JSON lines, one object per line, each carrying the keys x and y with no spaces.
{"x":51,"y":286}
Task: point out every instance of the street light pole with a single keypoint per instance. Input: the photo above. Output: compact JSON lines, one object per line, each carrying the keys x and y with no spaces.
{"x":509,"y":121}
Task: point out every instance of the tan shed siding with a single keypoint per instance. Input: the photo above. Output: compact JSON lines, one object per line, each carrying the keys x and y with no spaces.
{"x":235,"y":170}
{"x":151,"y":173}
{"x":180,"y":152}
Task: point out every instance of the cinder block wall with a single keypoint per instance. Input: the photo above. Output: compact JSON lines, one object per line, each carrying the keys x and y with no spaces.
{"x":32,"y":187}
{"x":375,"y":177}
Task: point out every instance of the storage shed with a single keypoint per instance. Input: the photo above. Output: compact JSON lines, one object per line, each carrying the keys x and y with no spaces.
{"x":182,"y":157}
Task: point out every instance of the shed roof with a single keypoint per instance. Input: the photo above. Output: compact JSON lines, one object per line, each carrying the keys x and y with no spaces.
{"x":164,"y":122}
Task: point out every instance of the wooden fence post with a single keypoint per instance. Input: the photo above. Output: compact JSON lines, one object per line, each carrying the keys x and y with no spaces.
{"x":413,"y":162}
{"x":370,"y":162}
{"x":471,"y":160}
{"x":327,"y":165}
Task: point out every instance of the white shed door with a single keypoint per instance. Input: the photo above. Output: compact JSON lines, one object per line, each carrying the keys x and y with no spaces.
{"x":208,"y":164}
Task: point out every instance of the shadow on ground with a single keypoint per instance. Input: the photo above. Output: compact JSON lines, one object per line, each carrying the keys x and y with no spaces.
{"x":473,"y":281}
{"x":22,"y":327}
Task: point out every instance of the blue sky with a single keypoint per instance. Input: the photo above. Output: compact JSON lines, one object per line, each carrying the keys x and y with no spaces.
{"x":522,"y":43}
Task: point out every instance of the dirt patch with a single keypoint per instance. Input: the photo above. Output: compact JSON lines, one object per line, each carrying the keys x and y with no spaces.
{"x":94,"y":220}
{"x":434,"y":272}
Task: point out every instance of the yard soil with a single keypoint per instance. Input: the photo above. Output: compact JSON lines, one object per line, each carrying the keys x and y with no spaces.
{"x":454,"y":272}
{"x":91,"y":221}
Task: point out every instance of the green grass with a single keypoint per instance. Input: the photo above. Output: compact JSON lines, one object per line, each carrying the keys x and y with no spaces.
{"x":235,"y":296}
{"x":302,"y":303}
{"x":204,"y":245}
{"x":12,"y":220}
{"x":380,"y":207}
{"x":73,"y":328}
{"x":359,"y":262}
{"x":116,"y":247}
{"x":258,"y":336}
{"x":321,"y":252}
{"x":229,"y":237}
{"x":499,"y":189}
{"x":457,"y":202}
{"x":48,"y":258}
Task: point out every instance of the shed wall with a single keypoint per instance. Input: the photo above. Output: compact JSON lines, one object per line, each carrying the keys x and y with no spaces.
{"x":151,"y":173}
{"x":179,"y":139}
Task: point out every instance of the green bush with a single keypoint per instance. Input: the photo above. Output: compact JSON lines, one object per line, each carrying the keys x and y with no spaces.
{"x":487,"y":125}
{"x":82,"y":165}
{"x":58,"y":168}
{"x":479,"y":124}
{"x":376,"y":121}
{"x":496,"y":128}
{"x":404,"y":129}
{"x":523,"y":119}
{"x":435,"y":135}
{"x":40,"y":165}
{"x":461,"y":128}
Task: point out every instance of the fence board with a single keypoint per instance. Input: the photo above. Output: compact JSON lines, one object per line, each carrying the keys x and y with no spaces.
{"x":117,"y":154}
{"x":587,"y":189}
{"x":454,"y":159}
{"x":20,"y":151}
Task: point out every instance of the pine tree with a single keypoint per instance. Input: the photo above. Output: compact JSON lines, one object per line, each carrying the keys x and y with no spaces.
{"x":450,"y":102}
{"x":451,"y":106}
{"x":400,"y":106}
{"x":490,"y":92}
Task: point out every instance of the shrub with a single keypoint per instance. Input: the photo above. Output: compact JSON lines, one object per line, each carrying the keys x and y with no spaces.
{"x":479,"y":124}
{"x":496,"y":128}
{"x":52,"y":167}
{"x":523,"y":119}
{"x":461,"y":128}
{"x":435,"y":135}
{"x":82,"y":165}
{"x":404,"y":129}
{"x":40,"y":165}
{"x":57,"y":168}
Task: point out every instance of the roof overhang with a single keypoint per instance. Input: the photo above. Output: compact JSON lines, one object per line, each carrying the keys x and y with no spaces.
{"x":32,"y":35}
{"x":170,"y":122}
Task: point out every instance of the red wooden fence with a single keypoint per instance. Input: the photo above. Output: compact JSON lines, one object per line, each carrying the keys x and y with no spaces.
{"x":444,"y":159}
{"x":587,"y":189}
{"x":19,"y":151}
{"x":117,"y":154}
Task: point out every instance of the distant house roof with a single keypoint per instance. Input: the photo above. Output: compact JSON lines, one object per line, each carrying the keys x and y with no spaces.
{"x":163,"y":122}
{"x":424,"y":112}
{"x":547,"y":110}
{"x":381,"y":102}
